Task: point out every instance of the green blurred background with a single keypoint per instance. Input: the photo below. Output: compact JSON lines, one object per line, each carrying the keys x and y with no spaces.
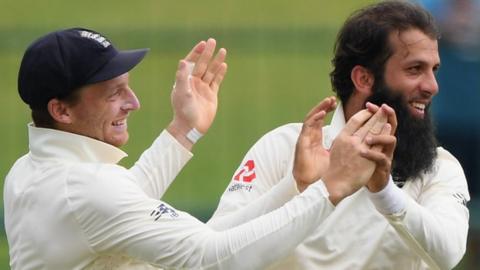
{"x":278,"y":54}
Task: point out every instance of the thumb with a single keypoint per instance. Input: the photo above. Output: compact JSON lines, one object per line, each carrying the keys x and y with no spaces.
{"x":181,"y":77}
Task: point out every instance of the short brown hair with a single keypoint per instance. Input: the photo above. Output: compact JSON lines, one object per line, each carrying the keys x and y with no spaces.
{"x":42,"y":118}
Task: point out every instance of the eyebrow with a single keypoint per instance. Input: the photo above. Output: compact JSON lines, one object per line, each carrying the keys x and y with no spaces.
{"x":420,"y":62}
{"x":118,"y":85}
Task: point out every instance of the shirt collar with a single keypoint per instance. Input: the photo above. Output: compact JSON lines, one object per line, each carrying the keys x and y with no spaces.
{"x":336,"y":125}
{"x":46,"y":143}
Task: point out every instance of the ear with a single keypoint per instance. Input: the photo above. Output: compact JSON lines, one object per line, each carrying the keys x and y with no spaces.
{"x":59,"y":111}
{"x":362,"y":79}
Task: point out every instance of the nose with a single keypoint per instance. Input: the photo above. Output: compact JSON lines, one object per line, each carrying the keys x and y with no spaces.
{"x":131,"y":101}
{"x":430,"y":85}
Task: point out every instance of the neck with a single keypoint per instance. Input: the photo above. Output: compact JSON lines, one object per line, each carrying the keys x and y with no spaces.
{"x":354,"y":104}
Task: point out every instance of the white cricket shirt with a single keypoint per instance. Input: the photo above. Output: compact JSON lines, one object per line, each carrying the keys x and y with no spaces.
{"x":431,"y":220}
{"x":69,"y":206}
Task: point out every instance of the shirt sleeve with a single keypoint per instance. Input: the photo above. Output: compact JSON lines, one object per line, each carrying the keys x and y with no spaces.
{"x":263,"y":182}
{"x":158,"y":166}
{"x":435,"y":225}
{"x":117,"y":217}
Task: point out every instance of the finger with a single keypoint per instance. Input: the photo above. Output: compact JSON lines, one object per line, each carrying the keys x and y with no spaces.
{"x":380,"y":124}
{"x":356,"y":121}
{"x":391,"y":118}
{"x":204,"y":59}
{"x":382,"y":140}
{"x":373,"y":125}
{"x":389,"y":149}
{"x":373,"y":108}
{"x":181,"y":77}
{"x":378,"y":157}
{"x":213,"y":67}
{"x":316,"y":120}
{"x":196,"y":51}
{"x":328,"y":104}
{"x":383,"y":143}
{"x":390,"y":142}
{"x":384,"y":132}
{"x":217,"y":80}
{"x":387,"y":128}
{"x":312,"y":128}
{"x":371,"y":139}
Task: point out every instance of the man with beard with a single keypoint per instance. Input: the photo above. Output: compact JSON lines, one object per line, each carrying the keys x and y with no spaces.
{"x":412,"y":213}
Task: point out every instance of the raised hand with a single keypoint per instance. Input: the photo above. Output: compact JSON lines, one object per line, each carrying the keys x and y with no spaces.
{"x":195,"y":93}
{"x":311,"y":159}
{"x":382,"y":146}
{"x":349,"y":170}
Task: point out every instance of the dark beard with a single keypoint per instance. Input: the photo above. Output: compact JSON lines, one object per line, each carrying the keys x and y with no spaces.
{"x":416,"y":148}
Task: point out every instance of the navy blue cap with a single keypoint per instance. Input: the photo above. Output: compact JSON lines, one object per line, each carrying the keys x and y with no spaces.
{"x":60,"y":62}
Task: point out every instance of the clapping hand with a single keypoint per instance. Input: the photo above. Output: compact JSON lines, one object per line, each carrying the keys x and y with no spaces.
{"x":195,"y":93}
{"x":382,"y":144}
{"x":311,"y":159}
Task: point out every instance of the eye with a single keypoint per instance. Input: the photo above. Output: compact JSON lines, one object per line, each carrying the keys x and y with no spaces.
{"x":114,"y":94}
{"x":414,"y":69}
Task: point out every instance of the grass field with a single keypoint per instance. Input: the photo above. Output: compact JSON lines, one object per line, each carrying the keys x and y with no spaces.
{"x":279,"y":59}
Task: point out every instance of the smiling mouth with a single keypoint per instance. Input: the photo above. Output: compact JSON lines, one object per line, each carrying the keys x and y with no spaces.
{"x":418,"y":107}
{"x":119,"y":123}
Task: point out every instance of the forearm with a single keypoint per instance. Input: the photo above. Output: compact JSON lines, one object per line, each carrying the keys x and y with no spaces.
{"x":160,"y":164}
{"x":442,"y":236}
{"x":436,"y":231}
{"x":128,"y":222}
{"x":180,"y":131}
{"x":272,"y":235}
{"x":277,"y":233}
{"x":274,"y":198}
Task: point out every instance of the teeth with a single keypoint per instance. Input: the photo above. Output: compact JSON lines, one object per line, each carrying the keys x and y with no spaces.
{"x":419,"y":106}
{"x":119,"y":123}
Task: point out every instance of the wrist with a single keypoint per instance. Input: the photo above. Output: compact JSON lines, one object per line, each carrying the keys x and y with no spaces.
{"x":180,"y":132}
{"x":337,"y":189}
{"x":301,"y":185}
{"x":389,"y":200}
{"x":194,"y":135}
{"x":377,"y":185}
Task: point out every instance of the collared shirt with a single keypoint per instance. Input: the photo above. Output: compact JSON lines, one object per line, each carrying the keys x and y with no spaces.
{"x":68,"y":205}
{"x":429,"y":228}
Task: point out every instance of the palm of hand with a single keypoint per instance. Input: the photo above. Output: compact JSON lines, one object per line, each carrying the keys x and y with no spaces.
{"x":311,"y":158}
{"x":311,"y":161}
{"x":204,"y":101}
{"x":198,"y":100}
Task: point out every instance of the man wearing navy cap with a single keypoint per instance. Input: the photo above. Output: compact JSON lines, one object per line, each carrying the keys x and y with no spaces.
{"x":68,"y":205}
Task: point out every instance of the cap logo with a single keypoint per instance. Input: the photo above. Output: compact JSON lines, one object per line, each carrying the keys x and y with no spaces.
{"x":94,"y":36}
